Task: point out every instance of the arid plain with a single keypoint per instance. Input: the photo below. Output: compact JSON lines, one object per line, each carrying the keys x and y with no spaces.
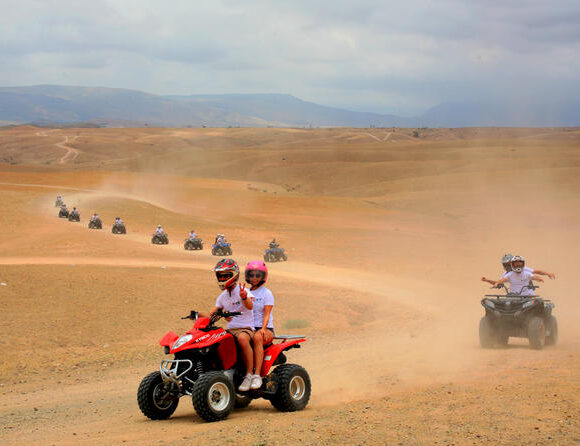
{"x":387,"y":234}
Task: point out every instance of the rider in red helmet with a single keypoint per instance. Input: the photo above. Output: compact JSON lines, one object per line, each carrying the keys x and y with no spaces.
{"x":256,"y":276}
{"x":235,"y":297}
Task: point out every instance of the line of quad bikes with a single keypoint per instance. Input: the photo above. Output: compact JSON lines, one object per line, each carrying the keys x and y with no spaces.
{"x":273,"y":254}
{"x":207,"y":365}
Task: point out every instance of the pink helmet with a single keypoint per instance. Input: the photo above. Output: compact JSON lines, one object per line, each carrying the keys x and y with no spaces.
{"x":257,"y":265}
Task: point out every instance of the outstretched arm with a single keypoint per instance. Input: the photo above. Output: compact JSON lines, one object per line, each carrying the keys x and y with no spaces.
{"x":485,"y":279}
{"x":545,"y":273}
{"x":537,"y":278}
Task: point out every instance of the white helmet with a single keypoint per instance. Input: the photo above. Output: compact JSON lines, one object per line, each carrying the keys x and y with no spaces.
{"x":519,"y":268}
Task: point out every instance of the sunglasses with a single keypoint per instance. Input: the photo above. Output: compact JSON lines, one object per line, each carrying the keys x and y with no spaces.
{"x":256,"y":275}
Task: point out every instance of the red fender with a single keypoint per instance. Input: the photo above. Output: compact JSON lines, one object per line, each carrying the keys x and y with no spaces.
{"x":169,"y":339}
{"x":272,"y":353}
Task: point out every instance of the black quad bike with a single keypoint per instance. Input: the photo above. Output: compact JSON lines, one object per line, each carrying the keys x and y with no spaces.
{"x":193,"y":244}
{"x":96,"y":224}
{"x":275,"y":254}
{"x":74,"y":216}
{"x":222,"y":249}
{"x":160,"y":239}
{"x":517,"y":315}
{"x":208,"y":367}
{"x":119,"y":228}
{"x":63,"y":213}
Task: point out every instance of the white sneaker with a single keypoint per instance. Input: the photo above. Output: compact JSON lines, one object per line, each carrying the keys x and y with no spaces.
{"x":256,"y":382}
{"x":245,"y":386}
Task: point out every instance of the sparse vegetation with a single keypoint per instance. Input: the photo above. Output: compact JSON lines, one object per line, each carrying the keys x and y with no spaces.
{"x":295,"y":323}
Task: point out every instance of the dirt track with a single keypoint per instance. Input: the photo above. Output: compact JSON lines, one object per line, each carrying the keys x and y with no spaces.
{"x":387,"y":241}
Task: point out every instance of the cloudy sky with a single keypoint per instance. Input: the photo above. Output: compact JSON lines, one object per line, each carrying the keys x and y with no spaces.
{"x":374,"y":55}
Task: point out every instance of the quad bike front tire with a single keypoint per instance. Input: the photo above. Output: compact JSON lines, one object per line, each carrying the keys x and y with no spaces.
{"x":537,"y":333}
{"x":487,"y":337}
{"x":551,"y":331}
{"x":284,"y":257}
{"x":154,"y":400}
{"x":213,"y":396}
{"x":294,"y":388}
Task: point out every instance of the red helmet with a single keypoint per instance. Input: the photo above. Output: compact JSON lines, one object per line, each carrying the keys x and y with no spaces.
{"x":227,"y":273}
{"x":257,"y":265}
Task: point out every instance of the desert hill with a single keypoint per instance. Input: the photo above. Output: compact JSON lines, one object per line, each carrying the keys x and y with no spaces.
{"x":114,"y":107}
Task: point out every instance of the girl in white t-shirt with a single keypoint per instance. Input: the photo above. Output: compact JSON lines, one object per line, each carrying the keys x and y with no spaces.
{"x":235,"y":298}
{"x":256,"y":276}
{"x":519,"y":278}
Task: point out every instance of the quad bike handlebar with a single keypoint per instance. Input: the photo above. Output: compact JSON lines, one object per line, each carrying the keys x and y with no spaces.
{"x":193,"y":315}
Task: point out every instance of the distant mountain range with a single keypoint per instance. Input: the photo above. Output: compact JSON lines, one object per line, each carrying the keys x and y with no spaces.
{"x":113,"y":107}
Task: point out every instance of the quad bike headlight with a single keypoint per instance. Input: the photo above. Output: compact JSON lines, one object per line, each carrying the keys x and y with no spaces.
{"x":490,"y":303}
{"x":182,"y":340}
{"x":529,"y":303}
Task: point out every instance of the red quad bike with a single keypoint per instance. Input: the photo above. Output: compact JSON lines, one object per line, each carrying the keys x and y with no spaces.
{"x":208,"y":366}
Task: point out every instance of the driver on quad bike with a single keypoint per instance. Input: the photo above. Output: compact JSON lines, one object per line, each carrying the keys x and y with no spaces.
{"x":220,"y":239}
{"x":256,"y":275}
{"x":74,"y":211}
{"x":118,"y":221}
{"x":518,"y":278}
{"x":159,"y":230}
{"x":506,"y":263}
{"x":192,"y":235}
{"x":273,"y":244}
{"x":63,"y":207}
{"x":235,"y":297}
{"x":95,"y":217}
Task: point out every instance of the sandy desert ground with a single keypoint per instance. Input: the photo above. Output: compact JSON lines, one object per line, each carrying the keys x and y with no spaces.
{"x":388,"y":235}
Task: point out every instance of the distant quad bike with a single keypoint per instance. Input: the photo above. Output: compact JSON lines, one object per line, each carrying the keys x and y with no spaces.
{"x":193,"y":244}
{"x":222,"y":249}
{"x":160,"y":239}
{"x":74,"y":217}
{"x":208,"y":367}
{"x":119,"y":228}
{"x":520,"y":316}
{"x":96,"y":224}
{"x":58,"y":202}
{"x":63,"y":213}
{"x":275,"y":254}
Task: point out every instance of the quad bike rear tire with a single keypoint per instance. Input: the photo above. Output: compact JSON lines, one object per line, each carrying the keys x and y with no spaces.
{"x":487,"y":336}
{"x":154,"y":401}
{"x":537,"y":333}
{"x":293,"y":390}
{"x":213,"y":396}
{"x":552,"y":331}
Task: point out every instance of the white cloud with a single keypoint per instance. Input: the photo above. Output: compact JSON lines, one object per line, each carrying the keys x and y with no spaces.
{"x":374,"y":54}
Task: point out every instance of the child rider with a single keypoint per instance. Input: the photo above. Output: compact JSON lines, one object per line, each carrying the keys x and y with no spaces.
{"x":235,"y":297}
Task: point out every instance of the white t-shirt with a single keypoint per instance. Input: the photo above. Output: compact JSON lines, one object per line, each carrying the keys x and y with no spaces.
{"x":526,"y":269}
{"x":234,"y":302}
{"x":518,"y":281}
{"x":262,"y":297}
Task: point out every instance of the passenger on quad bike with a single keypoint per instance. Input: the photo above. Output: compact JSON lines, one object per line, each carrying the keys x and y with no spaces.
{"x":506,"y":263}
{"x":220,"y":239}
{"x":518,"y":278}
{"x":236,"y":298}
{"x":256,"y":275}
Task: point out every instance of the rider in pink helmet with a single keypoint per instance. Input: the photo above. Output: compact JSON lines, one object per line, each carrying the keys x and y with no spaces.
{"x":257,"y":275}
